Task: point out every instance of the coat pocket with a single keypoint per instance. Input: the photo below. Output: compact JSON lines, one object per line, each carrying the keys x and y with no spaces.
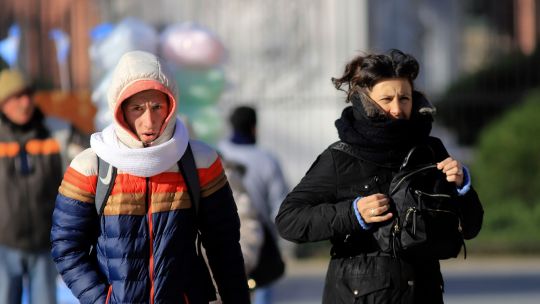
{"x":359,"y":279}
{"x":363,"y":286}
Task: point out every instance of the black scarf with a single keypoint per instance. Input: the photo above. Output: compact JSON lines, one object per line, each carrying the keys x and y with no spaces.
{"x":377,"y":137}
{"x":36,"y":122}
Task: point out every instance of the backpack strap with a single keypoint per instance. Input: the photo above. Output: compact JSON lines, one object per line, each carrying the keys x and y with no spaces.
{"x":188,"y":169}
{"x":105,"y":182}
{"x":189,"y":172}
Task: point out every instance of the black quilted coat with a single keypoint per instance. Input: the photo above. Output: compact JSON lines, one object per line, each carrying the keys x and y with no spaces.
{"x":320,"y":208}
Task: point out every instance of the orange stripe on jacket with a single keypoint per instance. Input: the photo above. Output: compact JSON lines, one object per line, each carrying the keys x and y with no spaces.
{"x":168,"y":192}
{"x":78,"y":186}
{"x":81,"y":181}
{"x":207,"y":175}
{"x":9,"y":149}
{"x":39,"y":146}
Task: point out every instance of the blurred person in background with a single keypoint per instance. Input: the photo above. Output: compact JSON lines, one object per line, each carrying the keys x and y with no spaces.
{"x":34,"y":149}
{"x":344,"y":198}
{"x":263,"y":179}
{"x":251,"y":229}
{"x":145,"y":237}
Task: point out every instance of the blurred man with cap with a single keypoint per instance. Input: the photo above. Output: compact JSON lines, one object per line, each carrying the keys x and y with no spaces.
{"x":33,"y":150}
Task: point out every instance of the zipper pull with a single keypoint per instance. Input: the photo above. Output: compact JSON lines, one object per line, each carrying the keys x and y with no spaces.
{"x":414,"y":222}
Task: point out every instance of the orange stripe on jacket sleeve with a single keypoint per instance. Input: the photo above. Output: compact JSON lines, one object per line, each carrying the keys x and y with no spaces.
{"x":207,"y":175}
{"x":81,"y":181}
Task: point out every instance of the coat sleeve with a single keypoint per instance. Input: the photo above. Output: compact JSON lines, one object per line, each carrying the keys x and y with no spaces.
{"x":74,"y":229}
{"x":219,"y":225}
{"x":312,"y":212}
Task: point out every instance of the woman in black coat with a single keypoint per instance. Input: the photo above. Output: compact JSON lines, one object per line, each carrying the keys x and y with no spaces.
{"x":344,"y":198}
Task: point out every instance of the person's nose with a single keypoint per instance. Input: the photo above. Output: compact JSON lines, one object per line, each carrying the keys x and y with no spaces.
{"x":25,"y":100}
{"x":147,"y":118}
{"x":395,"y":109}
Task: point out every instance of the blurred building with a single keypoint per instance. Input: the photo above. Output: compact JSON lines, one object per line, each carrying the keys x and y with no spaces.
{"x":282,"y":53}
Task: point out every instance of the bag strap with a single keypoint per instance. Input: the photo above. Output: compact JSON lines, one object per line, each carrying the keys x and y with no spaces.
{"x":105,"y":182}
{"x":414,"y":151}
{"x":188,"y":169}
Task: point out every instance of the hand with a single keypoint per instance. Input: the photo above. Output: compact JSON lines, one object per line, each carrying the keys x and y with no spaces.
{"x":372,"y":208}
{"x":453,"y":170}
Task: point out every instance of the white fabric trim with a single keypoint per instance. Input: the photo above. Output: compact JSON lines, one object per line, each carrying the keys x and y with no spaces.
{"x":143,"y":162}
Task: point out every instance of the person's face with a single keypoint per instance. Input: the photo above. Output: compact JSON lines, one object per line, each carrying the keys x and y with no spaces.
{"x":145,"y":113}
{"x":394,"y":96}
{"x":19,"y":108}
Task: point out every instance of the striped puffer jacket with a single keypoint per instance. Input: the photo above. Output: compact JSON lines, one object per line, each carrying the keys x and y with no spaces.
{"x":145,"y":239}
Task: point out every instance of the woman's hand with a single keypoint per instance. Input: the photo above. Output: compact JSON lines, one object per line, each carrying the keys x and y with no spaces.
{"x":453,"y":170}
{"x":373,"y":208}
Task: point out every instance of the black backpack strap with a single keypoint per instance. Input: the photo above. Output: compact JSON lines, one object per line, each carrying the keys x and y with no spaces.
{"x":105,"y":182}
{"x":189,"y":172}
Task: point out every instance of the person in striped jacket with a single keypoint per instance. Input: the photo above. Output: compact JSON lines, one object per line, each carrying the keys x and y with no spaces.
{"x":145,"y":240}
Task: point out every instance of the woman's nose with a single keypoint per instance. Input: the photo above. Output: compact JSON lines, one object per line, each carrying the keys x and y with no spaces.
{"x":395,"y":109}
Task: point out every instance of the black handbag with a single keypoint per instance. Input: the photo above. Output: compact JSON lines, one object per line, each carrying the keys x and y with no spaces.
{"x":427,"y":220}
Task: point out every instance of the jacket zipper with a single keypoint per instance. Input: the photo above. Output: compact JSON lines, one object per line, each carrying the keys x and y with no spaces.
{"x":151,"y":238}
{"x":419,"y":193}
{"x":109,"y":293}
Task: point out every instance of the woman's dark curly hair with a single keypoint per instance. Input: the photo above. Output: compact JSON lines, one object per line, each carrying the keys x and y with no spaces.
{"x":363,"y":72}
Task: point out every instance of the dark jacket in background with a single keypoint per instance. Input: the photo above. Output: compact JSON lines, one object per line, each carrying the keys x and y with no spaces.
{"x":31,"y":168}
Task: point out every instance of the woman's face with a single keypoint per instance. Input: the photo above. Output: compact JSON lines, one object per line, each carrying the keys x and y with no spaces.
{"x":394,"y":96}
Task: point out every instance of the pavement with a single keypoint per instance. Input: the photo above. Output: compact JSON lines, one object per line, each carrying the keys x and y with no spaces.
{"x":472,"y":264}
{"x":309,"y":274}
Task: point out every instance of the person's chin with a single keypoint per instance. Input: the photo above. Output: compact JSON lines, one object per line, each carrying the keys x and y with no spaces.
{"x":148,"y":139}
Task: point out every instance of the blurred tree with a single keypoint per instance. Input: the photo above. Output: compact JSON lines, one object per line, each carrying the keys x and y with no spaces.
{"x":474,"y":100}
{"x":507,"y":176}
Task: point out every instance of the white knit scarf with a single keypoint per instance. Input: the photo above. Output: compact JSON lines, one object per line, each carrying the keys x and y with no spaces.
{"x":143,"y":162}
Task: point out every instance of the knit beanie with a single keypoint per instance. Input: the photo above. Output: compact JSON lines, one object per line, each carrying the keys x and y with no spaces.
{"x":12,"y":82}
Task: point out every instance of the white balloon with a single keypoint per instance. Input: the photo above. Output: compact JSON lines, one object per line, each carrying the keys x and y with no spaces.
{"x":191,"y":45}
